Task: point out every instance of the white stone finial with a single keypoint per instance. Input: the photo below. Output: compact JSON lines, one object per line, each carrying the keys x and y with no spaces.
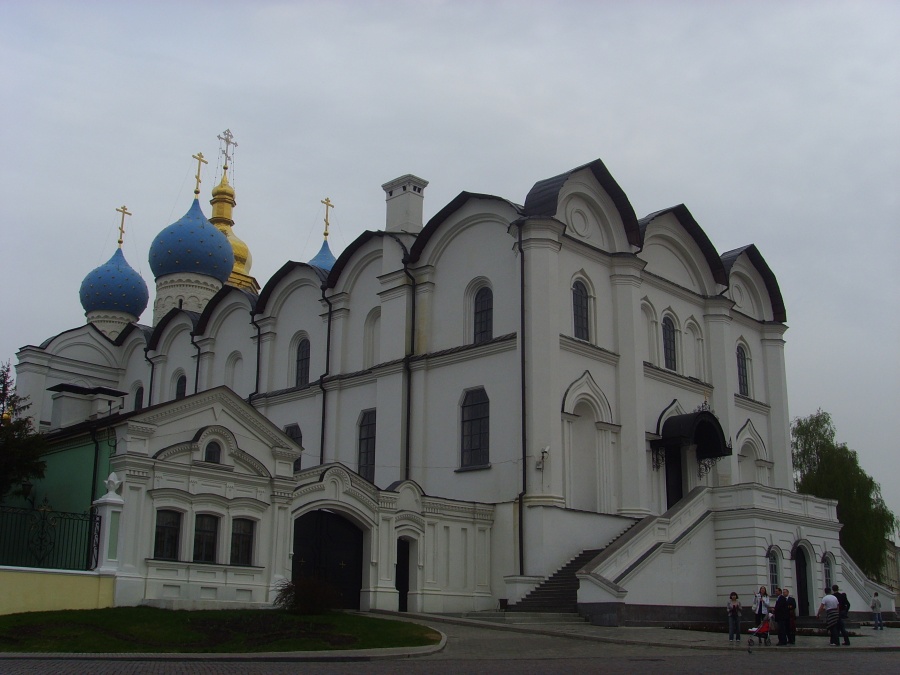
{"x":112,"y":484}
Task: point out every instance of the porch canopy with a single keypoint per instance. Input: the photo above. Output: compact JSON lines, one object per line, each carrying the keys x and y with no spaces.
{"x":701,"y":429}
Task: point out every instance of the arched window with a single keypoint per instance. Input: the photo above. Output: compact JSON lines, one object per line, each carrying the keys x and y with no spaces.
{"x":181,"y":387}
{"x":774,"y":581}
{"x":580,"y":311}
{"x":826,"y":568}
{"x":668,"y":333}
{"x":302,"y":363}
{"x":294,"y":433}
{"x":139,"y":398}
{"x":367,"y":446}
{"x":743,"y":381}
{"x":213,"y":453}
{"x":476,"y":437}
{"x":484,"y":315}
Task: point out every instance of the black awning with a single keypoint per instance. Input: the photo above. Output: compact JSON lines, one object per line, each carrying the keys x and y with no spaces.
{"x":699,"y":428}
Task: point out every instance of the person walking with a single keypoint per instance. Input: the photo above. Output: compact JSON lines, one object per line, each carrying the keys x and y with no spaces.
{"x":830,"y":607}
{"x":761,"y":604}
{"x":876,"y":608}
{"x":733,"y":608}
{"x":843,"y":613}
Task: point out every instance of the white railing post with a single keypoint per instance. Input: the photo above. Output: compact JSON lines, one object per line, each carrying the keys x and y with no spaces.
{"x":109,"y":508}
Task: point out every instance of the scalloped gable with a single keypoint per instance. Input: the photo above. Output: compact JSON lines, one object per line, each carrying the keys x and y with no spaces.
{"x":677,"y":249}
{"x":756,"y":260}
{"x":272,"y":285}
{"x":544,"y":198}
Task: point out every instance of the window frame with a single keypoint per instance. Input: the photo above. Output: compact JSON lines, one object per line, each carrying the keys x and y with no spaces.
{"x":241,"y":552}
{"x":212,"y":453}
{"x":774,"y":569}
{"x":670,"y":344}
{"x":366,"y":445}
{"x":167,"y":535}
{"x":483,"y":315}
{"x":138,"y":400}
{"x":475,"y":430}
{"x":581,"y":311}
{"x":206,"y":538}
{"x":742,"y":371}
{"x":301,"y":363}
{"x":181,"y":387}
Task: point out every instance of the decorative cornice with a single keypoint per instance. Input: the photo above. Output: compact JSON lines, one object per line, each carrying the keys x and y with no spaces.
{"x":570,"y":344}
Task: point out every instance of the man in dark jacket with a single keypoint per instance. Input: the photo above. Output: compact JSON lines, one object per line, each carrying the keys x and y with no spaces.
{"x":784,"y":607}
{"x":844,"y":609}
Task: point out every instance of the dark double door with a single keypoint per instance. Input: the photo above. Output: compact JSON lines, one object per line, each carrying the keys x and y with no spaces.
{"x":328,"y":548}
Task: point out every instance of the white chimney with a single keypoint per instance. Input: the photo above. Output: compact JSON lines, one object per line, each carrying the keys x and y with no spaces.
{"x":405,"y":197}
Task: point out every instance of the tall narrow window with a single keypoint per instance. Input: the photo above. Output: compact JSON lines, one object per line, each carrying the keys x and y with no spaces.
{"x":242,"y":541}
{"x":181,"y":387}
{"x":367,"y":446}
{"x":294,"y":433}
{"x":168,"y":534}
{"x":139,"y":398}
{"x":484,"y":315}
{"x":476,"y":414}
{"x":580,"y":312}
{"x":743,"y":382}
{"x":668,"y":333}
{"x":829,"y":577}
{"x":302,"y":363}
{"x":206,"y":531}
{"x":773,"y":570}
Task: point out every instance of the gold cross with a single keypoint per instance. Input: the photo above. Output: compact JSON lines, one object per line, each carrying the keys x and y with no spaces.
{"x":200,"y":162}
{"x":228,"y":139}
{"x":328,"y":205}
{"x":124,"y":211}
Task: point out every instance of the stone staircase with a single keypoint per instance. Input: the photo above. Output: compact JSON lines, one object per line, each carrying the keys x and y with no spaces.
{"x":558,"y":592}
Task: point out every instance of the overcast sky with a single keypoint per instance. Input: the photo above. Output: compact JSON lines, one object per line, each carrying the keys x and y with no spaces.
{"x":776,"y":123}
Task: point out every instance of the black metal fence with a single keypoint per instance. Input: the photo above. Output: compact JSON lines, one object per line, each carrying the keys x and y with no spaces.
{"x":49,"y":539}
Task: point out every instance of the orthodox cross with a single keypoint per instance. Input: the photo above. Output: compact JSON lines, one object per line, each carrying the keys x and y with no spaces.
{"x":228,"y":139}
{"x":328,"y":205}
{"x":200,"y":163}
{"x":125,"y":212}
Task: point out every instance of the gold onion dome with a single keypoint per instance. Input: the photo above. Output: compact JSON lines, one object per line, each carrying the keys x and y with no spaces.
{"x":223,"y":203}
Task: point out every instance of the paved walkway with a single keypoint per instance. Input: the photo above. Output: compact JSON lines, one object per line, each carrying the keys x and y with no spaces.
{"x":866,"y":640}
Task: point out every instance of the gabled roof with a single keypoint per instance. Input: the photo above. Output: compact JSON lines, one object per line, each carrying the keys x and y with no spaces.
{"x":266,"y":293}
{"x":214,"y":302}
{"x":696,"y":232}
{"x":158,"y":330}
{"x":755,"y":257}
{"x":452,"y":207}
{"x":543,"y":199}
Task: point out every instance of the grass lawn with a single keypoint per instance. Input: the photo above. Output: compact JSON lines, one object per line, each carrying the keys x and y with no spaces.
{"x":145,"y":629}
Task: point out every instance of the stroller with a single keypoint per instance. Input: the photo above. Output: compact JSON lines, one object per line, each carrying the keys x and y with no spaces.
{"x":762,"y":631}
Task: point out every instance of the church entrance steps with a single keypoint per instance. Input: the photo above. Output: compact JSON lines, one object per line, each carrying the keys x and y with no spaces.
{"x":542,"y":618}
{"x":559,"y":592}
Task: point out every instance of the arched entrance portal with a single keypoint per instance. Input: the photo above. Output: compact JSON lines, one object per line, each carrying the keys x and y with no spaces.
{"x":801,"y":567}
{"x":328,"y":548}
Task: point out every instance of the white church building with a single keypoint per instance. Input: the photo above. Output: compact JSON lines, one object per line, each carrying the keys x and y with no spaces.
{"x":446,"y":414}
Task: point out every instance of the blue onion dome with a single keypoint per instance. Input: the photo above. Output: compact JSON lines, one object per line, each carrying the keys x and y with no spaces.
{"x":114,"y":286}
{"x":192,"y":244}
{"x":324,"y":259}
